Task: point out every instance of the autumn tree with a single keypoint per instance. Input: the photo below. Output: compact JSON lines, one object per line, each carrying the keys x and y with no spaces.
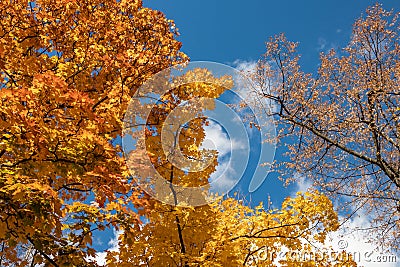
{"x":67,"y":72}
{"x":221,"y":231}
{"x":342,"y":126}
{"x":169,"y":132}
{"x":230,"y":233}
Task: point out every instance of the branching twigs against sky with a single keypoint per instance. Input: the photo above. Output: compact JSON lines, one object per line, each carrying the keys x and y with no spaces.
{"x":343,"y":125}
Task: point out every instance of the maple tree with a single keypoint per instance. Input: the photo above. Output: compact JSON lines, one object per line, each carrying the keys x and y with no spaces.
{"x":224,"y":231}
{"x":342,"y":127}
{"x":174,"y":131}
{"x":67,"y":72}
{"x":230,"y":233}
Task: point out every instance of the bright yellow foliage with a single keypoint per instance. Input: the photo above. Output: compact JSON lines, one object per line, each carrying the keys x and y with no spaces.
{"x":229,"y":233}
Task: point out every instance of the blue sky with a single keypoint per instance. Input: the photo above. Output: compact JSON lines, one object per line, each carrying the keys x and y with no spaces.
{"x":231,"y":31}
{"x":225,"y":31}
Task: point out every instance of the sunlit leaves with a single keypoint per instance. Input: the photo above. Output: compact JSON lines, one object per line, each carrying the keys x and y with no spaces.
{"x":68,"y":70}
{"x":229,"y":233}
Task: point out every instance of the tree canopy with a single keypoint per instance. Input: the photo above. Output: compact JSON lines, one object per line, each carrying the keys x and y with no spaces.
{"x":68,"y":72}
{"x":341,"y":126}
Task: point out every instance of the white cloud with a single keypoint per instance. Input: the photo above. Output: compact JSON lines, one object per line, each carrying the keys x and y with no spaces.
{"x":216,"y":139}
{"x":246,"y":88}
{"x":354,"y":242}
{"x":225,"y":176}
{"x":302,"y":184}
{"x":253,"y":87}
{"x":245,"y":66}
